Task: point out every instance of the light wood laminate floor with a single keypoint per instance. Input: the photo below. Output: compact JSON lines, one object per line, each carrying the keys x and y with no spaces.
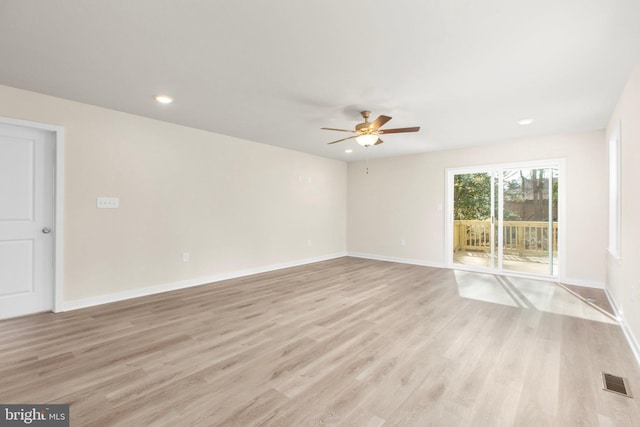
{"x":348,"y":342}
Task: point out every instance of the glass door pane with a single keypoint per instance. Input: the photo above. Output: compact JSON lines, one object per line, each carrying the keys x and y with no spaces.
{"x":473,"y":213}
{"x":529,"y":217}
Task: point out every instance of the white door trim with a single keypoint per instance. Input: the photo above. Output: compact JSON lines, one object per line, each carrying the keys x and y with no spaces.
{"x":58,"y":235}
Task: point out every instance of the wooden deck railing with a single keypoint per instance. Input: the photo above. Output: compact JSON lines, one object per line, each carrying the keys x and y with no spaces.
{"x":520,"y":237}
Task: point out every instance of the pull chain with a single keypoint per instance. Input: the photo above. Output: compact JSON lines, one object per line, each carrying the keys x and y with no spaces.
{"x":367,"y":158}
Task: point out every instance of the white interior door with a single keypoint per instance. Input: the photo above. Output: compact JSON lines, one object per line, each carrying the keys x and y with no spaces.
{"x":26,"y":220}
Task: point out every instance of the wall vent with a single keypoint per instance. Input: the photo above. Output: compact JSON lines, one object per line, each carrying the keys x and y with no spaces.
{"x":615,"y":384}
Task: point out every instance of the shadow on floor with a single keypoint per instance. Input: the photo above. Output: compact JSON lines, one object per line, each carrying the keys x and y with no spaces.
{"x":533,"y":294}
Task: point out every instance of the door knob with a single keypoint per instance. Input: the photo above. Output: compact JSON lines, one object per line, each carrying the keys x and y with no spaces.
{"x":46,"y":230}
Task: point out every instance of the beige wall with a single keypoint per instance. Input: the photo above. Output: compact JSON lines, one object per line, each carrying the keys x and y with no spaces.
{"x":401,"y":198}
{"x":234,"y":205}
{"x":623,"y":276}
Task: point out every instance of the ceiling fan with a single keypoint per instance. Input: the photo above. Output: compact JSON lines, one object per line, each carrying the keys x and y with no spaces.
{"x":368,"y":133}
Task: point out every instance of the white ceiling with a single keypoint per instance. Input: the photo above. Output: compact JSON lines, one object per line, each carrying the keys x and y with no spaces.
{"x":276,"y":71}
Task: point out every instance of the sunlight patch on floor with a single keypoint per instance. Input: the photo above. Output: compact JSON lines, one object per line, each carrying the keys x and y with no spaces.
{"x":527,"y":294}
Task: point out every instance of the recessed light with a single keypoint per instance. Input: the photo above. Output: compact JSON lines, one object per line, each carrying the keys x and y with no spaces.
{"x":348,"y":150}
{"x":164,"y":99}
{"x":525,"y":122}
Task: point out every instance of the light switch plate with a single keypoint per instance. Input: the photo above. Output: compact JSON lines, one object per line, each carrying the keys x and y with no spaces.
{"x":108,"y":203}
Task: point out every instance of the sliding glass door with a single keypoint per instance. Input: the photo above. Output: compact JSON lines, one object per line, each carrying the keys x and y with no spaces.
{"x":473,"y":208}
{"x":505,"y":218}
{"x":530,"y":220}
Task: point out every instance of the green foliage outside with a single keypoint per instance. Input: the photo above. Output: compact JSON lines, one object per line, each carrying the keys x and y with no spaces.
{"x":524,"y":191}
{"x":472,"y":195}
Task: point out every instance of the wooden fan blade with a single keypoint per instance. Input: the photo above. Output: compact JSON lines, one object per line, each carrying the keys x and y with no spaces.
{"x":379,"y":122}
{"x":399,"y":130}
{"x":379,"y":141}
{"x":343,"y":139}
{"x":340,"y":130}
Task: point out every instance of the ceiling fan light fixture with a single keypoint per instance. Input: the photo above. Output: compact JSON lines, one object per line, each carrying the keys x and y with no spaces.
{"x":367,"y":139}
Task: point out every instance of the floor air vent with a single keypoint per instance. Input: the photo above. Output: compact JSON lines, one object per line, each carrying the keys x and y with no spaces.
{"x":616,"y":384}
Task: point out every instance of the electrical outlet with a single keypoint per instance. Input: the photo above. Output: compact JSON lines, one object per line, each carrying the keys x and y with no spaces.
{"x":185,"y":256}
{"x":403,"y":242}
{"x":309,"y":242}
{"x":108,"y":202}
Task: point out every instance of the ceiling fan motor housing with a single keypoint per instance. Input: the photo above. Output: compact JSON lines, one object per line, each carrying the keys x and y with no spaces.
{"x":362,"y":127}
{"x":365,"y":125}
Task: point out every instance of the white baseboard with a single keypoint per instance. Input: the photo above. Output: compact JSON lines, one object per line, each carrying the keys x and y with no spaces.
{"x":584,"y":283}
{"x":395,"y":259}
{"x":631,"y":339}
{"x":156,"y":289}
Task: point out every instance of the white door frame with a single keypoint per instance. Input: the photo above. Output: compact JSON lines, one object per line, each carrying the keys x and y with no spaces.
{"x":562,"y":202}
{"x":58,"y":210}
